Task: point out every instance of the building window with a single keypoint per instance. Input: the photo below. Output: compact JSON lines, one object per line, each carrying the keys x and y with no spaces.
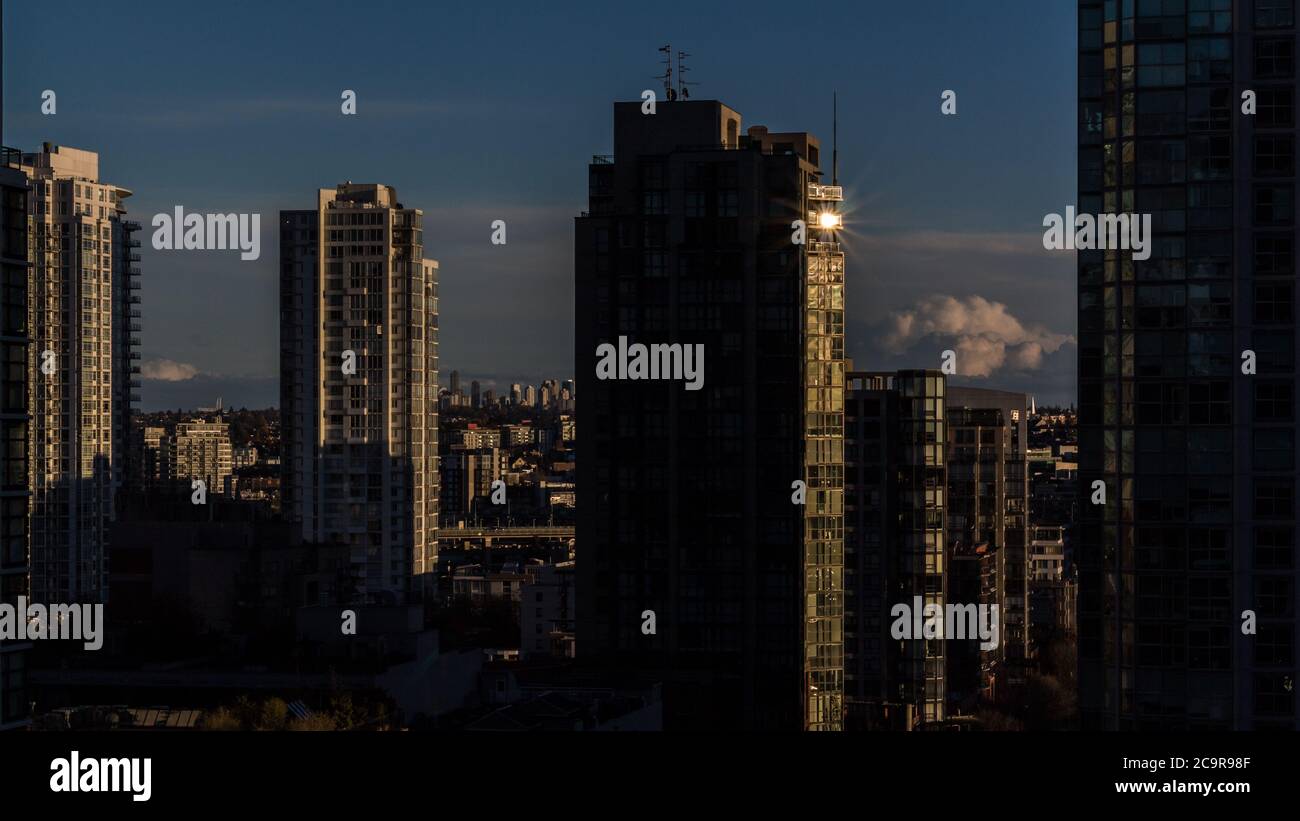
{"x":1273,"y":499}
{"x":1209,"y":403}
{"x":1276,"y":107}
{"x":1275,"y":646}
{"x":1274,"y":14}
{"x":1274,"y":59}
{"x":1273,"y":303}
{"x":1274,"y":255}
{"x":1275,"y":548}
{"x":1275,"y":449}
{"x":1209,"y":109}
{"x":1274,"y":695}
{"x":1161,"y":64}
{"x":1273,"y":596}
{"x":1274,"y":204}
{"x":1273,"y":402}
{"x":1275,"y":156}
{"x":1209,"y":59}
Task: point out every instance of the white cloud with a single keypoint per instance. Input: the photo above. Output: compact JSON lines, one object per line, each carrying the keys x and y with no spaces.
{"x":984,"y":334}
{"x":165,"y":370}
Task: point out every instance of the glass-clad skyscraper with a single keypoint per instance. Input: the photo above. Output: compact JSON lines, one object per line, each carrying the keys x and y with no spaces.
{"x":1187,"y":365}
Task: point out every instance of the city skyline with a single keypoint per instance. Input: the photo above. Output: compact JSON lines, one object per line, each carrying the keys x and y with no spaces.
{"x":938,"y":365}
{"x":508,"y":309}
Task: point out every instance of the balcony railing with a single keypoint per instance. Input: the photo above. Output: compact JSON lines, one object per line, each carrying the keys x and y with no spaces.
{"x":825,"y":193}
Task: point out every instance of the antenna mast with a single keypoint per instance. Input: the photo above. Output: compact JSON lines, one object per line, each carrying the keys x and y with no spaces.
{"x":835,"y":138}
{"x":670,"y":93}
{"x":681,"y":75}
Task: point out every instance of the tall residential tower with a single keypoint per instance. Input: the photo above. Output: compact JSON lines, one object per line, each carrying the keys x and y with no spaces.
{"x":359,"y":385}
{"x":1188,"y":113}
{"x":690,"y":240}
{"x":895,"y":487}
{"x":14,"y":423}
{"x":83,"y":320}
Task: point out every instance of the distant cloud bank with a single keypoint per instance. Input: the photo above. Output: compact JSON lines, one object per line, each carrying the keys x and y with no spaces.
{"x":166,"y":370}
{"x":985,"y":335}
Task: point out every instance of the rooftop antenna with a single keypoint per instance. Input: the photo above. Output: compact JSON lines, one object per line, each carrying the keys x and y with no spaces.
{"x":681,"y":75}
{"x":669,"y":92}
{"x":835,"y":138}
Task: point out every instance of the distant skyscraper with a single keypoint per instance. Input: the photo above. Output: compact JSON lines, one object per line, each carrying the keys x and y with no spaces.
{"x":530,"y":396}
{"x":455,"y":383}
{"x":894,"y":527}
{"x":475,"y":400}
{"x":688,"y":241}
{"x":361,"y":445}
{"x":14,"y":423}
{"x":1197,"y":457}
{"x":83,"y":313}
{"x":516,"y":394}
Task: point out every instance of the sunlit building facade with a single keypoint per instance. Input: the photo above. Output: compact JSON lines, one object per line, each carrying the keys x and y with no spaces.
{"x":359,"y":385}
{"x":84,"y":321}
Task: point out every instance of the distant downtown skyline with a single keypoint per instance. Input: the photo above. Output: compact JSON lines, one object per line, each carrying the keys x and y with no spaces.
{"x":499,"y":123}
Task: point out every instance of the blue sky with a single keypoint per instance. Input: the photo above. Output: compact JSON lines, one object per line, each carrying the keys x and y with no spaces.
{"x":477,"y":111}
